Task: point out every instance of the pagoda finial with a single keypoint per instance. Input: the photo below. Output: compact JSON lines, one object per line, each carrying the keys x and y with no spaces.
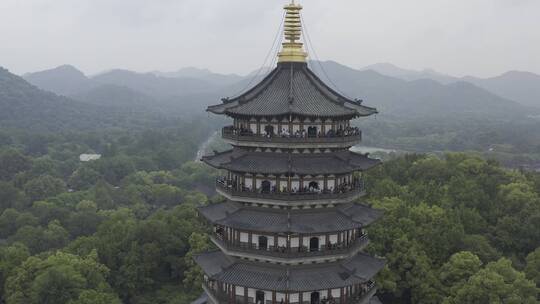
{"x":293,"y":49}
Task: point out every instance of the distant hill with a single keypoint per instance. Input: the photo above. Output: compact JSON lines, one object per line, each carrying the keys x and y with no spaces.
{"x":204,"y":75}
{"x":115,"y":96}
{"x":523,"y":87}
{"x":389,"y":69}
{"x":63,"y":80}
{"x":153,"y":85}
{"x":406,"y":93}
{"x":24,"y":106}
{"x":419,"y":98}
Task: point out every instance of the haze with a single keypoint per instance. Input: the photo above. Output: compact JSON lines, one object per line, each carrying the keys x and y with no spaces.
{"x":477,"y":37}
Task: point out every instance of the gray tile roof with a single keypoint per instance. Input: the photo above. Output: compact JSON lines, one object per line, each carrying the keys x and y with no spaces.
{"x":281,"y":163}
{"x":289,"y":278}
{"x":344,"y":217}
{"x":292,"y":89}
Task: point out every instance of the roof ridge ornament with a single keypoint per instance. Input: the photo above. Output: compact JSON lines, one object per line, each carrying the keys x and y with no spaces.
{"x":293,"y":49}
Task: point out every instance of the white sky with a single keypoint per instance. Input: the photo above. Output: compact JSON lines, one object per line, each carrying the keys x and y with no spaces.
{"x":478,"y":37}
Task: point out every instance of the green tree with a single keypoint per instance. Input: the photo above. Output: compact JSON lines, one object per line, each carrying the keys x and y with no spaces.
{"x":13,"y":162}
{"x":455,"y":273}
{"x":96,"y":297}
{"x":532,"y":270}
{"x":11,"y":197}
{"x":43,"y":187}
{"x":193,"y":276}
{"x":57,"y":279}
{"x":83,"y":178}
{"x":497,"y":283}
{"x":10,"y":258}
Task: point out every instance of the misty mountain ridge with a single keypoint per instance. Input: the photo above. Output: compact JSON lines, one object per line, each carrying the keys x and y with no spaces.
{"x":63,"y":80}
{"x":202,"y":74}
{"x":418,"y":98}
{"x":520,"y":86}
{"x":391,"y":70}
{"x":25,"y":106}
{"x":523,"y":87}
{"x":113,"y":95}
{"x":398,"y":95}
{"x":122,"y":88}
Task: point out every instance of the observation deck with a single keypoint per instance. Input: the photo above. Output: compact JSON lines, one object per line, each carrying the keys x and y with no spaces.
{"x":286,"y":140}
{"x":341,"y":195}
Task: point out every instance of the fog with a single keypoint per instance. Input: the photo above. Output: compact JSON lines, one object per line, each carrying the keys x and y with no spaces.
{"x":478,"y":37}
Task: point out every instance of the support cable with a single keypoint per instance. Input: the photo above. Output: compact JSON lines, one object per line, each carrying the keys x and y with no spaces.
{"x":311,"y":49}
{"x":272,"y":51}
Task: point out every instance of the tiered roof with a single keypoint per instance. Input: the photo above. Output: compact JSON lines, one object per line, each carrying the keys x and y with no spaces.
{"x":356,"y":270}
{"x":292,"y":89}
{"x":341,"y":218}
{"x":241,"y":160}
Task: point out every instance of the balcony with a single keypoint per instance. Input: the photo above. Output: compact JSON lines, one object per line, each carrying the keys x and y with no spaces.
{"x":247,"y":138}
{"x":345,"y":194}
{"x":294,"y":253}
{"x":220,"y":296}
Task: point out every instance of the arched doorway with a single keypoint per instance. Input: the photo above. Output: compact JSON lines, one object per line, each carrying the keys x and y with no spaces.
{"x":315,"y":297}
{"x":259,"y":297}
{"x":263,"y":243}
{"x":314,"y":244}
{"x":312,"y":132}
{"x":314,"y":185}
{"x":265,"y":186}
{"x":269,"y":129}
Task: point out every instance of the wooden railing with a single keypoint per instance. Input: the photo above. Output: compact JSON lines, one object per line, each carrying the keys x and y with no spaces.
{"x":223,"y":297}
{"x":356,"y":189}
{"x":232,"y":134}
{"x":293,"y":252}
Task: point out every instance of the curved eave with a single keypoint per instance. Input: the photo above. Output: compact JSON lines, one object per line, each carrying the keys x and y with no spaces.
{"x":227,"y":104}
{"x":328,"y":91}
{"x":337,"y":105}
{"x":329,"y":220}
{"x":291,"y":163}
{"x":356,"y":270}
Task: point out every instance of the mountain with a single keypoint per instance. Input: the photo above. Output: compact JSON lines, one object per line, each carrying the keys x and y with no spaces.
{"x":63,"y":80}
{"x":418,"y":98}
{"x":202,"y":74}
{"x":24,"y":106}
{"x":152,"y":85}
{"x":391,"y":70}
{"x":116,"y":96}
{"x":406,"y":94}
{"x":523,"y":87}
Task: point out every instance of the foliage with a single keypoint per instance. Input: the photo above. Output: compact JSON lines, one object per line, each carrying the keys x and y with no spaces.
{"x":447,"y":223}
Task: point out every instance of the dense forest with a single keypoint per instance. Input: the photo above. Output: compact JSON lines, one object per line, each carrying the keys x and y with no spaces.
{"x":458,"y":227}
{"x":123,"y":229}
{"x":114,"y":230}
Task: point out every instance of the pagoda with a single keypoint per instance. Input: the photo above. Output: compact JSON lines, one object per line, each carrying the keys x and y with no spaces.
{"x":291,"y":229}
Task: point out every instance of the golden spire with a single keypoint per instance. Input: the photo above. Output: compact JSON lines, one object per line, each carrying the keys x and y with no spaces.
{"x":293,"y":49}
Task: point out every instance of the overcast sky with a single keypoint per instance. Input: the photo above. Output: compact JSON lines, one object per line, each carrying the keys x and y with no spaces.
{"x":459,"y":37}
